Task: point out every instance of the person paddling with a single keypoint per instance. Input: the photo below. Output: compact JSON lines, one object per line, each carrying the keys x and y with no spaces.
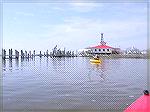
{"x":96,"y":57}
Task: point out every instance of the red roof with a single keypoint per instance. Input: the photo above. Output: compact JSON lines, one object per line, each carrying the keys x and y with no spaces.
{"x":101,"y":46}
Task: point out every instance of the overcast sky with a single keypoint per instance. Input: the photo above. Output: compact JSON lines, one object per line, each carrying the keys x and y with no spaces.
{"x":41,"y":26}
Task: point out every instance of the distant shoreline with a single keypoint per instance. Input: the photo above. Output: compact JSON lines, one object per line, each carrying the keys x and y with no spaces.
{"x":111,"y":56}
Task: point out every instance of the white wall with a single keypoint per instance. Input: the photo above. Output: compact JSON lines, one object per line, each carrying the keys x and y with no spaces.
{"x":101,"y":50}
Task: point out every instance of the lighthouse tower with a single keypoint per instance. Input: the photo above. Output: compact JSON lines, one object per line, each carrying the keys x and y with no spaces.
{"x":102,"y":40}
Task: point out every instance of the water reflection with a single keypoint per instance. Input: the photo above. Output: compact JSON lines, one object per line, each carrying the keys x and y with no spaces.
{"x":97,"y":69}
{"x":58,"y":62}
{"x":10,"y":64}
{"x":40,"y":61}
{"x":22,"y":63}
{"x":22,"y":59}
{"x":17,"y":62}
{"x":34,"y":61}
{"x":47,"y":59}
{"x":4,"y":65}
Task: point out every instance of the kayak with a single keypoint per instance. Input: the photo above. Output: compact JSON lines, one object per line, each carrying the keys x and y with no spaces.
{"x":95,"y":60}
{"x":142,"y":104}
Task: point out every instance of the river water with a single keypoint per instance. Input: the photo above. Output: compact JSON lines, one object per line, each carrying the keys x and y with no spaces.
{"x":44,"y":84}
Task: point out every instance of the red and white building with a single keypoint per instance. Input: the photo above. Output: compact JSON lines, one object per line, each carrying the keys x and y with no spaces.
{"x":102,"y":48}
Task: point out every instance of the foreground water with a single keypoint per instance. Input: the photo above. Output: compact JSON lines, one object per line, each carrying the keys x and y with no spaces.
{"x":44,"y":84}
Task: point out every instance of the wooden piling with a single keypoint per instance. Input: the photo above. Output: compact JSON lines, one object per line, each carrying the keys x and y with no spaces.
{"x":29,"y":54}
{"x":3,"y":54}
{"x":22,"y":54}
{"x":16,"y":54}
{"x":40,"y":54}
{"x":10,"y":53}
{"x":26,"y":54}
{"x":47,"y":53}
{"x":34,"y":53}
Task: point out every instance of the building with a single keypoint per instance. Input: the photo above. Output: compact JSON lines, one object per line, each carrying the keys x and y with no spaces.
{"x":102,"y":48}
{"x":132,"y":50}
{"x":83,"y":52}
{"x":144,"y":52}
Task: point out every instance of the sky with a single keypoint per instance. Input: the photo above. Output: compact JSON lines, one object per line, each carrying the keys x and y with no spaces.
{"x":41,"y":26}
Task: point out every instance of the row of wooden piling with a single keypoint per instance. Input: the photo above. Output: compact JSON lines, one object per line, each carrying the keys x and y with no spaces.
{"x":17,"y":54}
{"x":25,"y":54}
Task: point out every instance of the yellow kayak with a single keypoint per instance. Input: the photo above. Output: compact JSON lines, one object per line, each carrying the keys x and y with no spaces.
{"x":95,"y":60}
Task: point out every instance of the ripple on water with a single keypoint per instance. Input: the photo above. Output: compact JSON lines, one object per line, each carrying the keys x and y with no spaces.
{"x":77,"y":85}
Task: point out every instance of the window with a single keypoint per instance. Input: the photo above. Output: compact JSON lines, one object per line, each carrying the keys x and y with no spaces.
{"x":103,"y":49}
{"x":99,"y":49}
{"x":107,"y":49}
{"x":95,"y":49}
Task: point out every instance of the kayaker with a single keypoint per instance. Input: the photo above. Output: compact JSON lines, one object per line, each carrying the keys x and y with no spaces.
{"x":96,"y":57}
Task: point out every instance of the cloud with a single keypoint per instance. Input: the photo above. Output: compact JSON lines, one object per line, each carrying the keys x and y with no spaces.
{"x":121,"y":25}
{"x":83,"y":32}
{"x":58,"y":8}
{"x":84,"y":7}
{"x":25,"y":13}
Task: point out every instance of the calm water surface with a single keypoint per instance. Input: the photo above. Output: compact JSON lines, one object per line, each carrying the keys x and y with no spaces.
{"x":72,"y":83}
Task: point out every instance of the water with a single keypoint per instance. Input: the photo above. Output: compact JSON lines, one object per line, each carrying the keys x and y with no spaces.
{"x":44,"y":84}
